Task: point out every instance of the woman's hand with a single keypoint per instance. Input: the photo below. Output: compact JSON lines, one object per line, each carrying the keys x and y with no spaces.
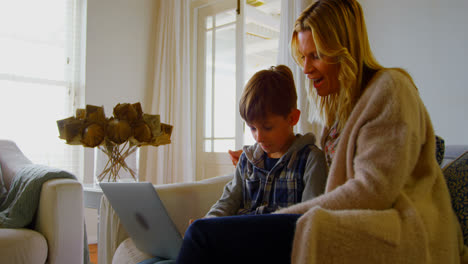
{"x":234,"y":155}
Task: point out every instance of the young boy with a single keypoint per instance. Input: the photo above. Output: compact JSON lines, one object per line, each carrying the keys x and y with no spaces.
{"x":282,"y":168}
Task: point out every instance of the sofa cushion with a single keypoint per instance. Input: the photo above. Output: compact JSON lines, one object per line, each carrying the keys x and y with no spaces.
{"x":452,"y":152}
{"x":22,"y":246}
{"x":3,"y":190}
{"x":11,"y":159}
{"x":456,"y":175}
{"x":440,"y":149}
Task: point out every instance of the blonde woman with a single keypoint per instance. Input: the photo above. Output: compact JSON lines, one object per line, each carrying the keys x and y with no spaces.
{"x":386,"y":200}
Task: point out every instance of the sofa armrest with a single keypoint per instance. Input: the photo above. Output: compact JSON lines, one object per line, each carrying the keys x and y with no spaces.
{"x":183,"y":201}
{"x":60,"y":218}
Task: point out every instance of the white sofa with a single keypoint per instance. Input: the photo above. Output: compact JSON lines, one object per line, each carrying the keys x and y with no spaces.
{"x":192,"y":200}
{"x":184,"y":201}
{"x":57,"y":234}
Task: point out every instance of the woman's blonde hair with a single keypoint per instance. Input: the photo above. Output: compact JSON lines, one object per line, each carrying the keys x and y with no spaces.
{"x":339,"y":32}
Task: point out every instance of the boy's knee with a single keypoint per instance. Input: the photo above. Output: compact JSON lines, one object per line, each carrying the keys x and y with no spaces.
{"x":199,"y":224}
{"x":197,"y":228}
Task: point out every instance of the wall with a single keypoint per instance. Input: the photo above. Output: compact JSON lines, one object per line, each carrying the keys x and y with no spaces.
{"x":429,"y":39}
{"x":118,"y":60}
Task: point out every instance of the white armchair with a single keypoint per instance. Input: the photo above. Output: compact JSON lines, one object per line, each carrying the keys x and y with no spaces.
{"x":57,"y":233}
{"x":183,"y":201}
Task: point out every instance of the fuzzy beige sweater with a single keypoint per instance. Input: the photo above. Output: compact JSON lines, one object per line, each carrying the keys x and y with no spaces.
{"x":386,"y":199}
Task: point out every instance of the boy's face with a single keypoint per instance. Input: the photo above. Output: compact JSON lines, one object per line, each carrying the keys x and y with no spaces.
{"x":275,"y":133}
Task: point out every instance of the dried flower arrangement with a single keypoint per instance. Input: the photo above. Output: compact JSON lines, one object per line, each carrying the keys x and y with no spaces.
{"x":117,"y":136}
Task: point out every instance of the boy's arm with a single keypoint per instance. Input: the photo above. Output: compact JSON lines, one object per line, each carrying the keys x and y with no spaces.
{"x":315,"y":174}
{"x":230,"y":200}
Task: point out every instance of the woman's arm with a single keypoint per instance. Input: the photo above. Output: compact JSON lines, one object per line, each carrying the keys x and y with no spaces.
{"x":234,"y":155}
{"x":378,"y":150}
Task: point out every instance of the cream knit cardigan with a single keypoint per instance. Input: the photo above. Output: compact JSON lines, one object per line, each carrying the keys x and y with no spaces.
{"x":386,"y":200}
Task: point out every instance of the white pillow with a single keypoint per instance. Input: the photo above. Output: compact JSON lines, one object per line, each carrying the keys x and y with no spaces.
{"x":3,"y":190}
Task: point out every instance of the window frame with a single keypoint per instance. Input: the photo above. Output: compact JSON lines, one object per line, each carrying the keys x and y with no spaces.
{"x":209,"y":164}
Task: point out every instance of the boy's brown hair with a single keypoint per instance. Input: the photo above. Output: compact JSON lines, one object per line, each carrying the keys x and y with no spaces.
{"x":270,"y":91}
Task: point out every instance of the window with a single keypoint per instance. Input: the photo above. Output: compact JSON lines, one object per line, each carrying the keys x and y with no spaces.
{"x":39,"y":72}
{"x":232,"y":44}
{"x":220,"y":81}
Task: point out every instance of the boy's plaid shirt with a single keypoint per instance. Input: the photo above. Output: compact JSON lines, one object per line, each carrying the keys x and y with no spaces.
{"x":266,"y":191}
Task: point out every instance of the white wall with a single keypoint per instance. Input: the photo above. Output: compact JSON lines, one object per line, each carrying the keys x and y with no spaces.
{"x":118,"y":64}
{"x":429,"y":38}
{"x":118,"y":60}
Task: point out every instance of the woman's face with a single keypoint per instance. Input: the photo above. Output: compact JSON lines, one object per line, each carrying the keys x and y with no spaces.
{"x":323,"y":75}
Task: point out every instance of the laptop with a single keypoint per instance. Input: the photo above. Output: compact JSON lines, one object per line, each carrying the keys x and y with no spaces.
{"x":144,"y":217}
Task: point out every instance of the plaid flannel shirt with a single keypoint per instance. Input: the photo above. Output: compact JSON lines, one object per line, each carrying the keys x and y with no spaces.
{"x":300,"y":174}
{"x":266,"y":191}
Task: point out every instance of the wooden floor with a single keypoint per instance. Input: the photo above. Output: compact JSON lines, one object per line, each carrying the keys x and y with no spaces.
{"x":93,"y":253}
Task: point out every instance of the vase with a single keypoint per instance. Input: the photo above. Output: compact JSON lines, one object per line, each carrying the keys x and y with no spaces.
{"x":116,"y":163}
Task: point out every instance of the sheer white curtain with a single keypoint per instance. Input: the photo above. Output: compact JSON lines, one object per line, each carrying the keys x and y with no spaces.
{"x":40,"y":63}
{"x":290,"y":10}
{"x":171,"y":95}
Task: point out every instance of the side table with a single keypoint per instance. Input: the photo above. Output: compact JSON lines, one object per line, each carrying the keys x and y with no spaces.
{"x":92,"y":199}
{"x":92,"y":196}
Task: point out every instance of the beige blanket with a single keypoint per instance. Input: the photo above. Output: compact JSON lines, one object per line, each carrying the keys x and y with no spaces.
{"x":386,"y":200}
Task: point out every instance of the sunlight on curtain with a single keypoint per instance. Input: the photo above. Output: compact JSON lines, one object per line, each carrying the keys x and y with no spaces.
{"x":171,"y":96}
{"x":37,"y":67}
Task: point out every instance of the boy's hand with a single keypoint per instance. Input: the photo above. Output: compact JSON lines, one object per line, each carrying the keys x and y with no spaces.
{"x":234,"y":155}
